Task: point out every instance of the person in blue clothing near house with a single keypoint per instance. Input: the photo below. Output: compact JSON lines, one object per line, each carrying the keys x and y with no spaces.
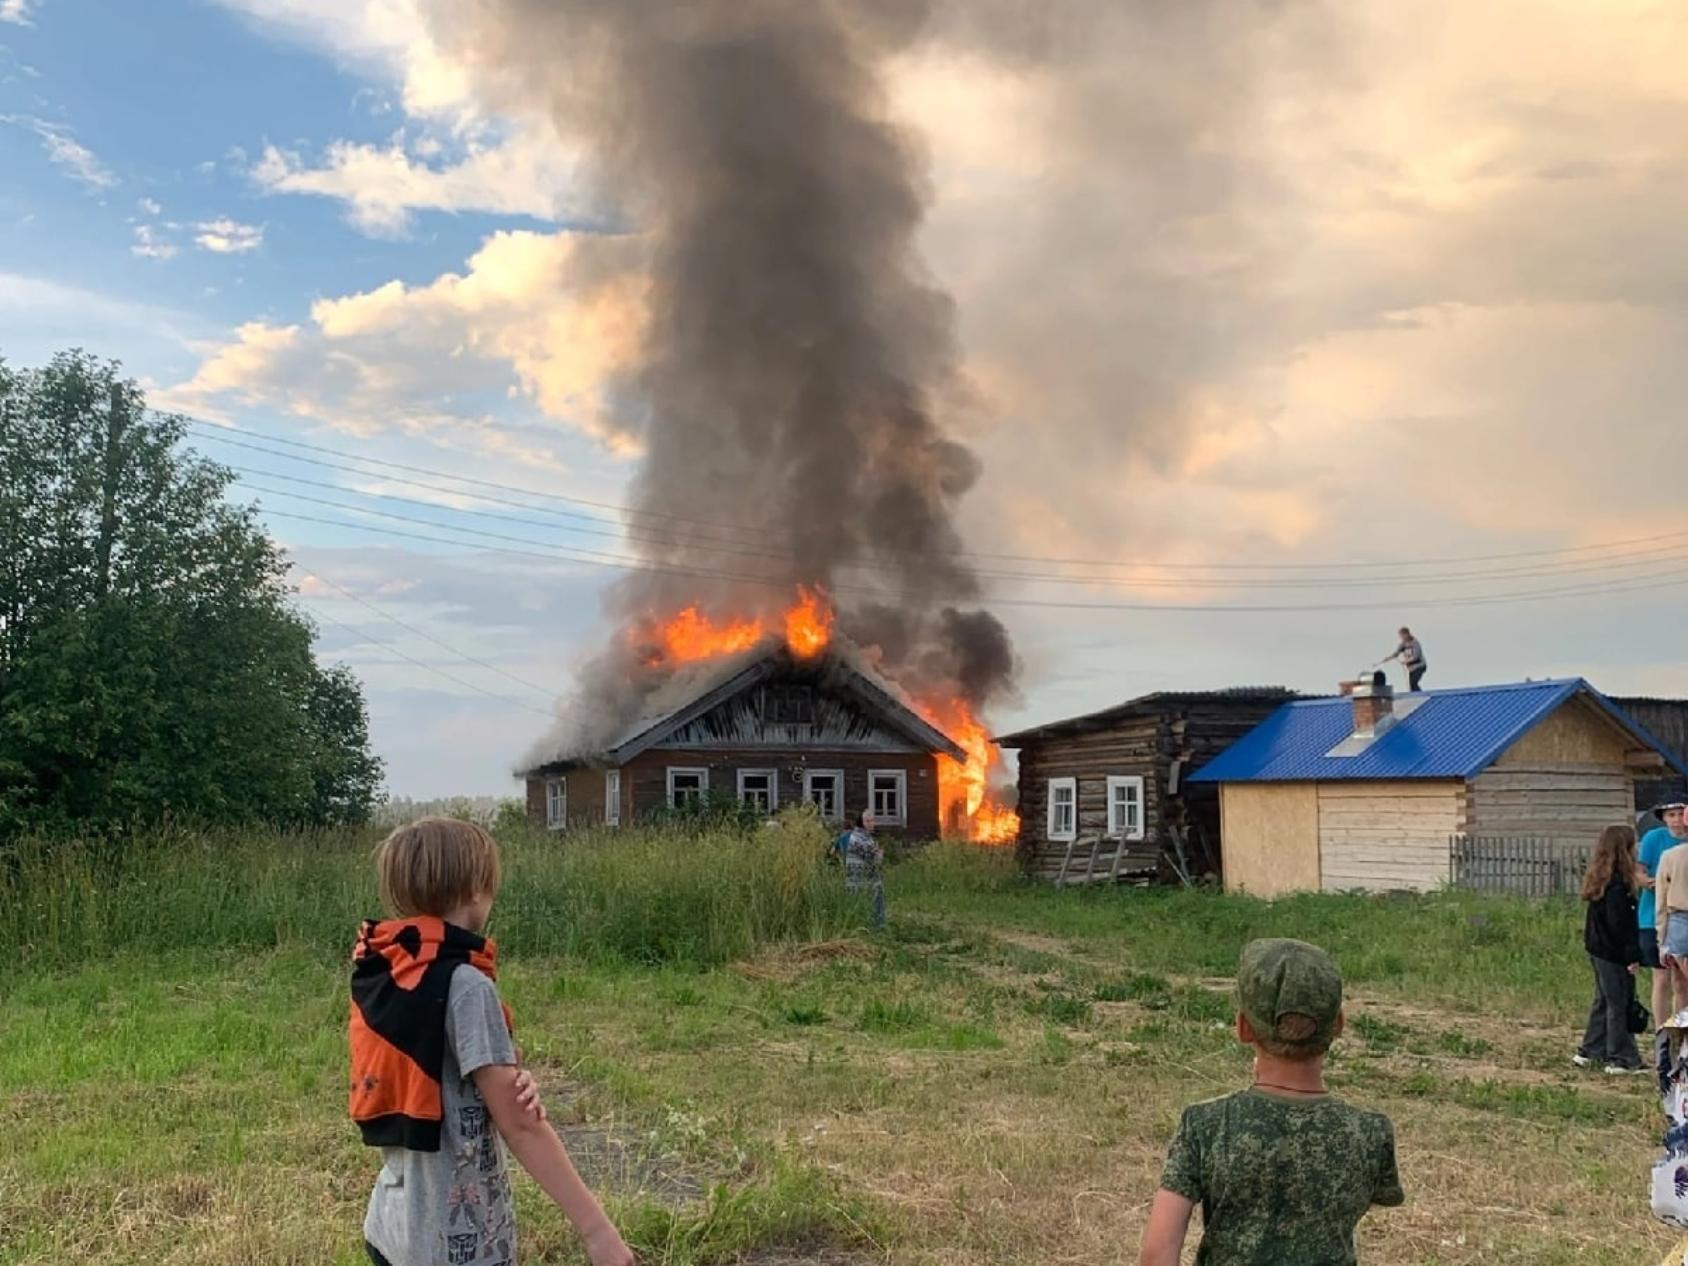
{"x":1654,"y":845}
{"x":862,"y":861}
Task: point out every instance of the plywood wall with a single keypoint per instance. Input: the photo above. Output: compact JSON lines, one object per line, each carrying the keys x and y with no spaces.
{"x":1578,"y":734}
{"x":1270,"y":834}
{"x":1381,"y":836}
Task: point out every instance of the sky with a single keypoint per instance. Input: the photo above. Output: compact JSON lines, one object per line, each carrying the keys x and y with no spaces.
{"x":1306,"y":319}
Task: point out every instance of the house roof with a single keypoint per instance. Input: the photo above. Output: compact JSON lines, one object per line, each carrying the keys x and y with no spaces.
{"x":1145,"y":703}
{"x":696,"y":689}
{"x":1444,"y":734}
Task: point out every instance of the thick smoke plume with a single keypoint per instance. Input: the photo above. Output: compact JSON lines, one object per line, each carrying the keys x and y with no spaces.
{"x":796,"y":354}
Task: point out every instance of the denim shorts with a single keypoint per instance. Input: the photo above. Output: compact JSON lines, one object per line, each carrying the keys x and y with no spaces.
{"x":1676,"y":936}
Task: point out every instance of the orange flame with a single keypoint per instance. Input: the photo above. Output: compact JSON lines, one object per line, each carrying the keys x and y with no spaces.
{"x":691,"y":635}
{"x":808,"y":623}
{"x":966,"y":804}
{"x":964,"y":787}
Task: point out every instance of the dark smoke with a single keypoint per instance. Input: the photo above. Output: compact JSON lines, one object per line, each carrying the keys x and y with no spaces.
{"x":797,"y":352}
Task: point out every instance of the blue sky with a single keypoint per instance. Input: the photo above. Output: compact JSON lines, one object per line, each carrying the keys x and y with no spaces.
{"x":1374,"y":300}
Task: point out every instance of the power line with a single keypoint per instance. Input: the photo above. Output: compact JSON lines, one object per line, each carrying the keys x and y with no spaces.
{"x":200,"y":428}
{"x":1667,"y":581}
{"x":436,"y":669}
{"x":426,"y":636}
{"x":1639,"y":558}
{"x":219,"y":434}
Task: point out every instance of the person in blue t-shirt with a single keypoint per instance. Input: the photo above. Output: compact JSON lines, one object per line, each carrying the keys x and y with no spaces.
{"x":1654,"y":845}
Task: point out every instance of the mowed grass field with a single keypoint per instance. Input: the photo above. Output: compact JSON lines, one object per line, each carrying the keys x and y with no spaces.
{"x":748,"y":1076}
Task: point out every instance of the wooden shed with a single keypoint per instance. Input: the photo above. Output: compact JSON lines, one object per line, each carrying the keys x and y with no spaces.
{"x":766,"y":727}
{"x":1370,"y":791}
{"x":1105,"y":795}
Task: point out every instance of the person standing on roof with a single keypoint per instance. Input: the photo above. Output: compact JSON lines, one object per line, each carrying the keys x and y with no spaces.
{"x":1411,"y":655}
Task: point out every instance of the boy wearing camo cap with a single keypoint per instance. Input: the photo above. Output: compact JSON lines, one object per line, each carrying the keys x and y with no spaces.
{"x":1283,"y":1171}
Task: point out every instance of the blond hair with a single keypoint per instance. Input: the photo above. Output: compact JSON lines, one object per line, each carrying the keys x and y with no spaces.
{"x":434,"y":865}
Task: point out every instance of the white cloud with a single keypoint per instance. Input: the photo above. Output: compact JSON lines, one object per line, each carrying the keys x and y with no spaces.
{"x":65,"y":151}
{"x":551,"y":318}
{"x":152,"y":244}
{"x":16,"y":12}
{"x":522,"y":174}
{"x":224,"y":236}
{"x":150,"y":207}
{"x":388,"y":36}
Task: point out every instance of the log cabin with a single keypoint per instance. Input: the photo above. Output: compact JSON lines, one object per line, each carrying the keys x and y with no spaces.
{"x":766,"y":727}
{"x":1667,"y":721}
{"x":1369,"y":792}
{"x":1105,"y":796}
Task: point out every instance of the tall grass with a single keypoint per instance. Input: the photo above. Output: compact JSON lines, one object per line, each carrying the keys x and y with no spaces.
{"x":1468,"y":949}
{"x":639,"y":895}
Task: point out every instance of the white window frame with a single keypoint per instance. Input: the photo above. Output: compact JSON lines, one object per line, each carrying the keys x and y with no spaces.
{"x":837,"y":775}
{"x":1116,"y":828}
{"x":1071,"y":832}
{"x":773,"y":777}
{"x":702,"y":773}
{"x":612,"y":797}
{"x":556,"y":804}
{"x":899,"y":780}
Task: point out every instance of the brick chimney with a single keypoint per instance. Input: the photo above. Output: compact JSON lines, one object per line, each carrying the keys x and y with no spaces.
{"x":1374,"y":706}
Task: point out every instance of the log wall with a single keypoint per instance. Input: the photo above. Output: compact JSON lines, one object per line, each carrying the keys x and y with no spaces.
{"x":1667,"y":721}
{"x":1134,"y":748}
{"x":1179,"y":734}
{"x":644,"y":780}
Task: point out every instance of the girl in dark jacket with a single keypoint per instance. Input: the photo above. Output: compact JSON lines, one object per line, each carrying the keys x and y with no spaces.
{"x":1611,"y":937}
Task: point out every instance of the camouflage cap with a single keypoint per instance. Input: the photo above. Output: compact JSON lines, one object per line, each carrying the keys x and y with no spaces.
{"x":1280,"y":977}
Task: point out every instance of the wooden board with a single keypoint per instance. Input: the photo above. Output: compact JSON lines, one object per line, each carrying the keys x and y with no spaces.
{"x":1383,"y":836}
{"x":1566,"y":806}
{"x":1271,"y":837}
{"x":1577,"y":733}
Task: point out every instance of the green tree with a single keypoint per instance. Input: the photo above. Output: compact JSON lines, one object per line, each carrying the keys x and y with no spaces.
{"x":151,"y":660}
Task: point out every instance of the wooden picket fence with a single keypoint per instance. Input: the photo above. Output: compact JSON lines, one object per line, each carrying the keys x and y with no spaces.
{"x":1524,"y":866}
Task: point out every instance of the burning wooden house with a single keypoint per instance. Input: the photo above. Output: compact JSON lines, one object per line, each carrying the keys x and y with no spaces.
{"x":1105,"y":796}
{"x":768,"y":725}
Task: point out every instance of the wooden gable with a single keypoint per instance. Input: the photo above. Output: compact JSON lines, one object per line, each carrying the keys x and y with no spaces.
{"x":1576,"y":734}
{"x":793,"y":713}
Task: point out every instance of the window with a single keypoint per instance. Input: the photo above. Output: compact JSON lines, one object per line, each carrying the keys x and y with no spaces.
{"x":1063,"y":808}
{"x":687,"y":786}
{"x":824,"y":788}
{"x":788,"y":705}
{"x":887,"y":796}
{"x":556,"y":804}
{"x":1125,"y":807}
{"x":759,"y":788}
{"x":612,"y":797}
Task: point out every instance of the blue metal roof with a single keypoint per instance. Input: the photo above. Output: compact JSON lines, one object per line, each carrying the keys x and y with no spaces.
{"x":1450,"y":734}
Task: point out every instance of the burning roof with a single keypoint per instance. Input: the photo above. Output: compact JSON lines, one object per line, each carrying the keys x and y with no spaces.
{"x":700,"y":685}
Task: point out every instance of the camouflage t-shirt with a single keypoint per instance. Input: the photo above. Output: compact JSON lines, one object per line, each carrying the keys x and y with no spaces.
{"x":1281,"y":1180}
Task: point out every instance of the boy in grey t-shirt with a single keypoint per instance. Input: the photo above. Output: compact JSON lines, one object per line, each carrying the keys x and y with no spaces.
{"x":435,"y":1082}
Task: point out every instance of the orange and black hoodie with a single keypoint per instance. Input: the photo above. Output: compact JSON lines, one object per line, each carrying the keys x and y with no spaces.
{"x":401,"y":978}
